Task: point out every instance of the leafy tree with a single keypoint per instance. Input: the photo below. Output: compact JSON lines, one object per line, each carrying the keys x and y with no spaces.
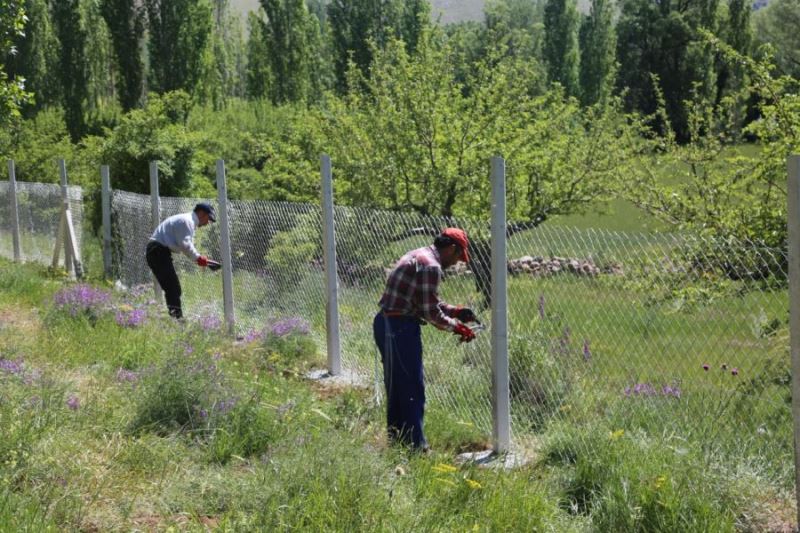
{"x":125,"y":21}
{"x":100,"y":71}
{"x":777,"y":25}
{"x":517,"y":25}
{"x":662,"y":39}
{"x":715,"y":188}
{"x":412,"y":139}
{"x":293,"y":42}
{"x":156,"y":133}
{"x":736,"y":31}
{"x":36,"y":57}
{"x":416,"y":16}
{"x":561,"y":53}
{"x":258,"y":72}
{"x":598,"y":47}
{"x":178,"y":36}
{"x":72,"y":68}
{"x":12,"y":89}
{"x":226,"y":69}
{"x":354,"y":23}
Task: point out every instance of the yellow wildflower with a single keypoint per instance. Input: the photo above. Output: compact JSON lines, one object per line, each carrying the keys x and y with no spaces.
{"x":443,"y":468}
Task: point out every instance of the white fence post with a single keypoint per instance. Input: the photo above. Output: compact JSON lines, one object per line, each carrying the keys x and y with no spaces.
{"x":331,"y":285}
{"x":66,"y":231}
{"x":155,"y":215}
{"x":794,"y":308}
{"x":12,"y":196}
{"x":225,"y":246}
{"x":105,"y":200}
{"x":501,"y":411}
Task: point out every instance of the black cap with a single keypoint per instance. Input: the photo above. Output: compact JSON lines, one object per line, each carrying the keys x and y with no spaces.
{"x":208,"y":208}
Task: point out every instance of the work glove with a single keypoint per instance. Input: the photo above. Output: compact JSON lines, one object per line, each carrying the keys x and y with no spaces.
{"x":213,"y":265}
{"x":464,"y":332}
{"x":202,"y":261}
{"x":465,"y":314}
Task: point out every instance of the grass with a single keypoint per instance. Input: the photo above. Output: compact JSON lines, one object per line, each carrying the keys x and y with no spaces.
{"x":104,"y":430}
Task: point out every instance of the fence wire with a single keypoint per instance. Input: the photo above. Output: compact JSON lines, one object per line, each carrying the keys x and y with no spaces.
{"x":674,"y":336}
{"x":39,"y":207}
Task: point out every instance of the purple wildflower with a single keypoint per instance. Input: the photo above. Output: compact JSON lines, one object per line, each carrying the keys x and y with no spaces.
{"x":127,"y":376}
{"x":673,"y":390}
{"x":286,"y":326}
{"x":210,"y":323}
{"x":252,"y":335}
{"x":81,"y":298}
{"x":541,"y":306}
{"x":7,"y":366}
{"x":225,"y":406}
{"x":203,"y":413}
{"x":131,"y":319}
{"x":706,"y":366}
{"x":735,"y":371}
{"x":217,"y":356}
{"x":188,"y":349}
{"x":73,"y":402}
{"x":587,"y":353}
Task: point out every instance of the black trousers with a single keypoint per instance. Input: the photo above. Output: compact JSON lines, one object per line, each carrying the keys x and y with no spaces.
{"x":159,"y":259}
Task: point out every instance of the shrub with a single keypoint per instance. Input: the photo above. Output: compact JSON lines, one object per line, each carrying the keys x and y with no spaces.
{"x":290,"y":339}
{"x":81,"y":301}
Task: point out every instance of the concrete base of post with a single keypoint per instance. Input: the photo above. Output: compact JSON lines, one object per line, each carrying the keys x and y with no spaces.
{"x":492,"y":460}
{"x":345,"y":378}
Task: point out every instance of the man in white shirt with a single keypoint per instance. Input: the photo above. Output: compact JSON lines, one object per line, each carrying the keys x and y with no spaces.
{"x":176,"y":234}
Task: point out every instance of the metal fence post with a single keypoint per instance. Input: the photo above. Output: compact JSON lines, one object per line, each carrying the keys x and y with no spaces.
{"x":794,"y":308}
{"x":105,"y":200}
{"x":501,"y":411}
{"x":12,"y":195}
{"x":225,"y":246}
{"x":331,"y":285}
{"x":155,"y":214}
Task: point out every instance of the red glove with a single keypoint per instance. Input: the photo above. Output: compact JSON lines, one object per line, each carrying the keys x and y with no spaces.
{"x":464,"y":332}
{"x":202,"y":261}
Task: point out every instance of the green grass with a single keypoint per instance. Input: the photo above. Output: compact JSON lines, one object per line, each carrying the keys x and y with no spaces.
{"x":289,"y":455}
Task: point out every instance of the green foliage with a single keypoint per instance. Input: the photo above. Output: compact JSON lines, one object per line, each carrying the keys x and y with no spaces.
{"x":776,"y":25}
{"x":354,"y":25}
{"x":99,"y":61}
{"x":125,"y":21}
{"x":37,"y":56}
{"x":597,"y":45}
{"x":12,"y":89}
{"x":292,"y":37}
{"x":179,"y":33}
{"x":72,"y":64}
{"x":715,"y":189}
{"x":663,"y":39}
{"x":259,"y":72}
{"x":560,"y":50}
{"x":290,"y":249}
{"x":225,"y":61}
{"x":156,"y":133}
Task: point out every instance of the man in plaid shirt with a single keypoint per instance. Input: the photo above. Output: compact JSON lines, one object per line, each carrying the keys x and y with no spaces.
{"x":411,"y":298}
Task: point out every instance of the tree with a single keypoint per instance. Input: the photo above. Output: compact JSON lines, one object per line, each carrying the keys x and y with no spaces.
{"x":258,"y":72}
{"x":178,"y":36}
{"x":100,"y":71}
{"x":662,"y":39}
{"x":736,"y":31}
{"x":714,"y":181}
{"x":517,"y":25}
{"x":777,"y":25}
{"x":224,"y":63}
{"x":36,"y":58}
{"x":72,"y":68}
{"x":354,"y":23}
{"x":598,"y":47}
{"x":125,"y":21}
{"x":12,"y":89}
{"x":292,"y":40}
{"x":416,"y":16}
{"x":561,"y":52}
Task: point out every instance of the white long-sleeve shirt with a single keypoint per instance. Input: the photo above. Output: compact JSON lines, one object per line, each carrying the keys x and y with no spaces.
{"x":177,"y":234}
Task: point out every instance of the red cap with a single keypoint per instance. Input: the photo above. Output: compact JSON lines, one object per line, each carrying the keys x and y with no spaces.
{"x":459,"y":236}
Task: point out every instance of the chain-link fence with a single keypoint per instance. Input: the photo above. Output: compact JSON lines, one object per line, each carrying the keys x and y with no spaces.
{"x":672,"y":335}
{"x":39,"y":210}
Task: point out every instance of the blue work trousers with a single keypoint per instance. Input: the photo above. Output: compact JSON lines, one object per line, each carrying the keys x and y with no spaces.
{"x":400,"y":344}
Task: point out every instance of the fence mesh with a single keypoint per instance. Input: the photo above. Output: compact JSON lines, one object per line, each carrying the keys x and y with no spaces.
{"x":39,"y":207}
{"x":668,"y":335}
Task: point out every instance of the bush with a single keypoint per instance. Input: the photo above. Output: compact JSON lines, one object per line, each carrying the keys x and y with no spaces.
{"x":290,"y":339}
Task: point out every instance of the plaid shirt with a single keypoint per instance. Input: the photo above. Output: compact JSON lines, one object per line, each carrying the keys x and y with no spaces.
{"x":413,"y":289}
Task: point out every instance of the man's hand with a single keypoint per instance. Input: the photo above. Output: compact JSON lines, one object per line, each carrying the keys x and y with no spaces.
{"x":202,"y":261}
{"x":464,"y":332}
{"x":465,"y":314}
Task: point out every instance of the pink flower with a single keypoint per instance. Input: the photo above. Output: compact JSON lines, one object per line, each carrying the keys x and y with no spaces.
{"x":706,"y":367}
{"x":735,"y":371}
